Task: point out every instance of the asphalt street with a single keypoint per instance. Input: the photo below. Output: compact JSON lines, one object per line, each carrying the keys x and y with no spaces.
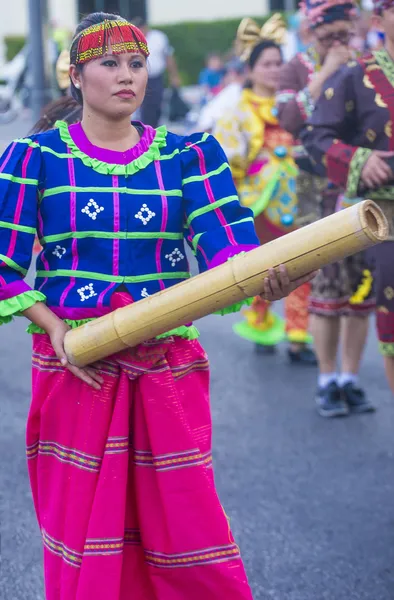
{"x":310,"y":500}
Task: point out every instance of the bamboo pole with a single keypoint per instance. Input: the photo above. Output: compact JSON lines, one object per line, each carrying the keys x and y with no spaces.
{"x":303,"y":251}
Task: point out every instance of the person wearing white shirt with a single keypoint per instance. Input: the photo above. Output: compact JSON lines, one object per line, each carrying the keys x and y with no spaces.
{"x":226,"y":99}
{"x":161,"y":59}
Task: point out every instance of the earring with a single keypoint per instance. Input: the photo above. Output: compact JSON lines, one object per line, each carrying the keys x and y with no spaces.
{"x":77,"y":86}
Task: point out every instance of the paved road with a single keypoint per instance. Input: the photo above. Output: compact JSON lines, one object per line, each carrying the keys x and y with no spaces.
{"x":16,"y":129}
{"x":311,"y":501}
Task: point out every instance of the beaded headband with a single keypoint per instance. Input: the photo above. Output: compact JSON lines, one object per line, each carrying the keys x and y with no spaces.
{"x":121,"y":36}
{"x":380,"y":5}
{"x":319,"y":12}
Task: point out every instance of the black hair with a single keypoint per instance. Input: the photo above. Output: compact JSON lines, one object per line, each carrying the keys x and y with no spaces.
{"x":63,"y":109}
{"x":259,"y":49}
{"x":341,"y":12}
{"x":139,"y":22}
{"x":92,"y":19}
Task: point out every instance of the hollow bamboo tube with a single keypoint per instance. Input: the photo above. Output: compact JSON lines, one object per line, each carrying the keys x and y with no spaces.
{"x":312,"y":247}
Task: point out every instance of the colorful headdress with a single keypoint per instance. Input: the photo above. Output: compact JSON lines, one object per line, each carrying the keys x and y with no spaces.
{"x":319,"y":12}
{"x":380,"y":5}
{"x":121,"y":36}
{"x":249,"y":34}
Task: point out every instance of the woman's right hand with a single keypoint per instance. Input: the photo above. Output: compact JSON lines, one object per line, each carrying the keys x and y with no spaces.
{"x":278,"y":285}
{"x":89,"y":374}
{"x":376,"y":171}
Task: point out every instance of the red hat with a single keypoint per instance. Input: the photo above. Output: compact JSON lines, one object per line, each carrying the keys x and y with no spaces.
{"x":122,"y":36}
{"x":319,"y":12}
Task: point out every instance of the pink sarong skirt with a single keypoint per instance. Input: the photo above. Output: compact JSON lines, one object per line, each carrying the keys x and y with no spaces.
{"x":122,"y":479}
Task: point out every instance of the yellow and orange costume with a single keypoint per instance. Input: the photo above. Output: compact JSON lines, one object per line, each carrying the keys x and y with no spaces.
{"x":259,"y":153}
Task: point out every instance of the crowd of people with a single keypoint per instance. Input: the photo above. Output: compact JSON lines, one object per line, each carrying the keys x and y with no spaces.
{"x":285,"y":112}
{"x":119,"y":452}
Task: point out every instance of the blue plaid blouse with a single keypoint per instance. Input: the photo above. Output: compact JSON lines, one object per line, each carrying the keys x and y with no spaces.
{"x":107,"y":218}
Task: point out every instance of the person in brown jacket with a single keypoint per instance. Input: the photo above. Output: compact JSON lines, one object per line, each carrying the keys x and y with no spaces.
{"x":351,"y":140}
{"x":338,"y":310}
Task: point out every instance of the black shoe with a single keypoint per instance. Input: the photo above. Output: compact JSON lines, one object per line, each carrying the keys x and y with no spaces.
{"x":356,"y":399}
{"x":266,"y":350}
{"x":306,"y":356}
{"x":330,"y":402}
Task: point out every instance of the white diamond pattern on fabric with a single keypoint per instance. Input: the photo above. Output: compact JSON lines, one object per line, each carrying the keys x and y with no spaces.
{"x":145,"y":214}
{"x":86,"y":292}
{"x":175,"y":257}
{"x":59,"y":251}
{"x":93,"y":214}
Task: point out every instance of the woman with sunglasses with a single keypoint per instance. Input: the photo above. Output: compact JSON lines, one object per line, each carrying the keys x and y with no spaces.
{"x":341,"y":297}
{"x":119,"y":453}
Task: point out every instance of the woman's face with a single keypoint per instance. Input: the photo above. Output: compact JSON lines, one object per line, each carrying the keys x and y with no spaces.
{"x":265,"y":73}
{"x":113,"y":85}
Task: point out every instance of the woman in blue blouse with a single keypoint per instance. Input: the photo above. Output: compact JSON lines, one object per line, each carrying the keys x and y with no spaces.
{"x":120,"y":452}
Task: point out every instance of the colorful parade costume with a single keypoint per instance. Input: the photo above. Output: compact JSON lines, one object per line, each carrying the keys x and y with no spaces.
{"x":354,"y":116}
{"x":122,"y":478}
{"x":337,"y":290}
{"x":259,"y":152}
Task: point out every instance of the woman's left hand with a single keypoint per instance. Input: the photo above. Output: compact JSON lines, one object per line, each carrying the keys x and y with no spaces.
{"x":278,"y":285}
